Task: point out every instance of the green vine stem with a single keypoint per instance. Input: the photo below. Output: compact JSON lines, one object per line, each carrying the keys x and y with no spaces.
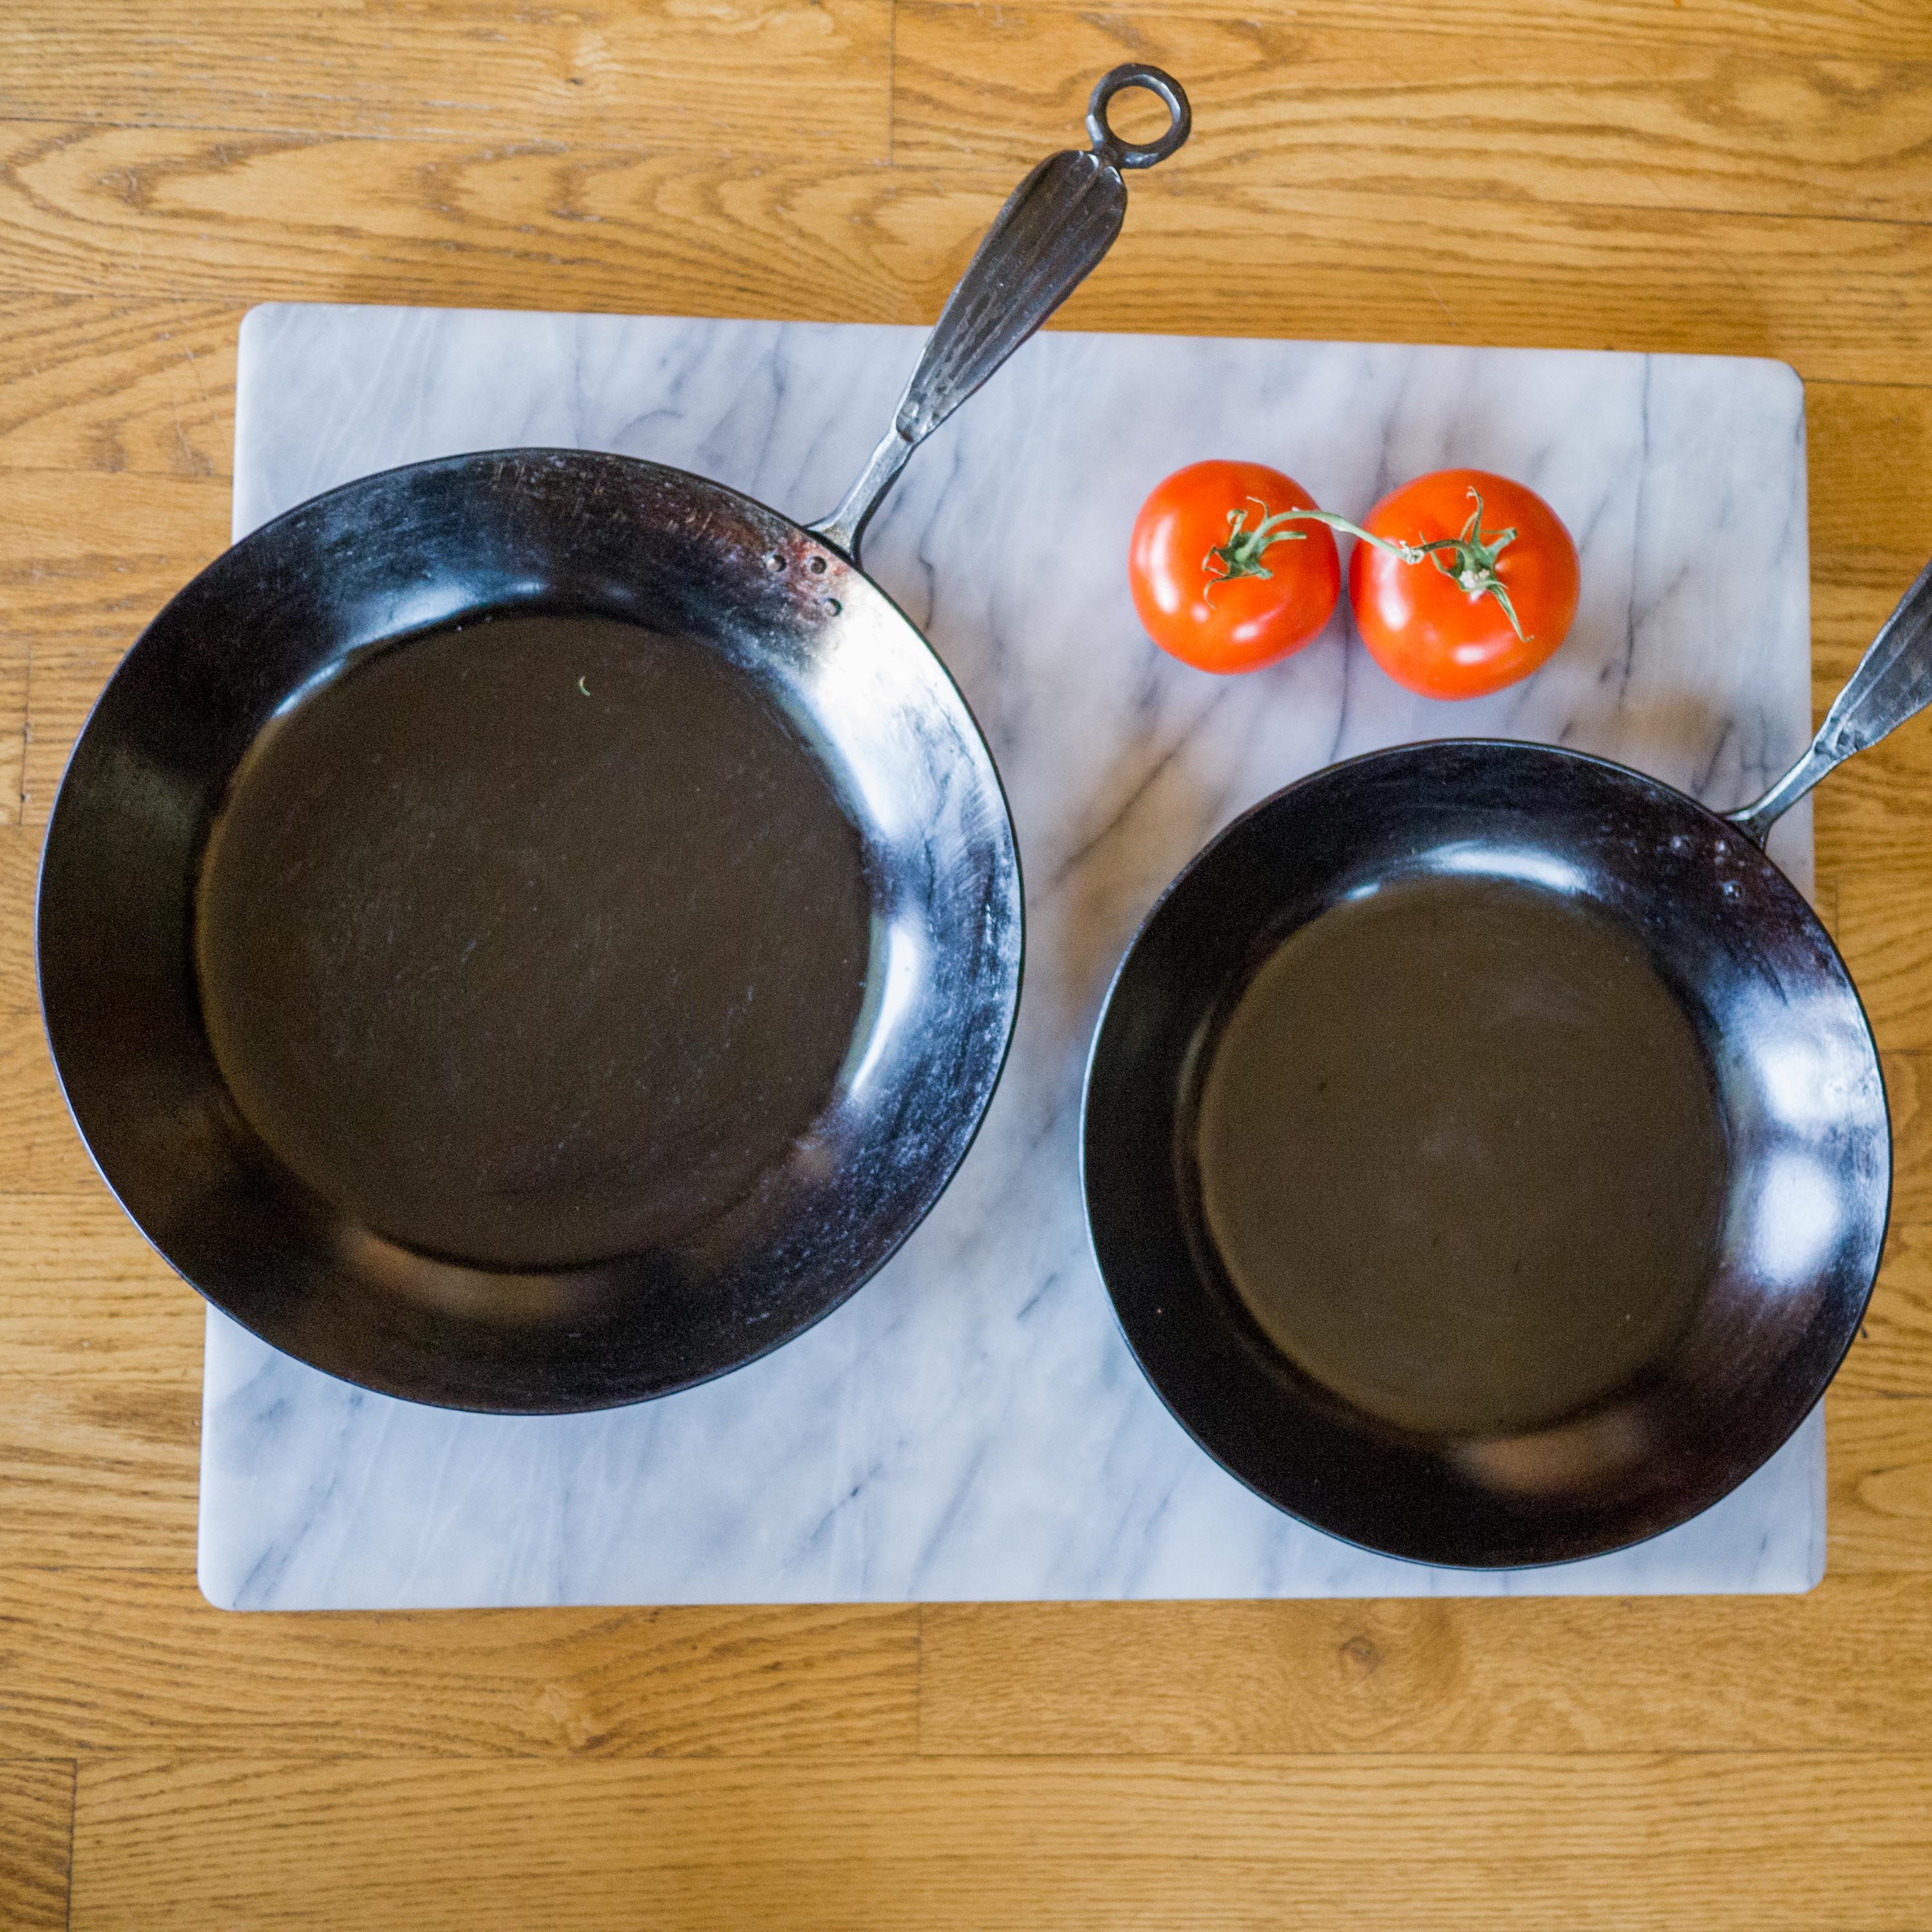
{"x":1469,"y":557}
{"x":1240,"y":556}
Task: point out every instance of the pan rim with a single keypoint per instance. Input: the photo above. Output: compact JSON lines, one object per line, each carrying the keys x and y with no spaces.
{"x":1512,"y":748}
{"x":231,"y":557}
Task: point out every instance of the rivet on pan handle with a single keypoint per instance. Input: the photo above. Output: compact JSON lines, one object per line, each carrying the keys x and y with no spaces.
{"x":1048,"y":237}
{"x":1893,"y":682}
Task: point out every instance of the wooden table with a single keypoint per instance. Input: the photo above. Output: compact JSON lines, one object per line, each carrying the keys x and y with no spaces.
{"x":1751,"y":176}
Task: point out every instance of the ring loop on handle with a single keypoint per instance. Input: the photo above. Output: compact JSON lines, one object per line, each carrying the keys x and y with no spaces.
{"x":1108,"y":145}
{"x":1053,"y":230}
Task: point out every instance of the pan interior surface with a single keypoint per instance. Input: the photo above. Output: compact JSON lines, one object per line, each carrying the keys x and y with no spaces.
{"x":533,"y":940}
{"x":1459,"y":1152}
{"x":529,"y":931}
{"x":1486,"y":1153}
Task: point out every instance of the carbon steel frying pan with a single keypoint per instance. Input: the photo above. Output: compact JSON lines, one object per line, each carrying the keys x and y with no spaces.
{"x":1484,"y":1145}
{"x":533,"y":931}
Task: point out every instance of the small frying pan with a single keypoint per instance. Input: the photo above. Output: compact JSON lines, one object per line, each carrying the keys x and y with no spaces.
{"x":1485,"y":1147}
{"x":534,"y":930}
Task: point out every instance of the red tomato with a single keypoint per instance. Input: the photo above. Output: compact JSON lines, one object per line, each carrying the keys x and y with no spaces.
{"x":1485,"y":606}
{"x":1215,"y":584}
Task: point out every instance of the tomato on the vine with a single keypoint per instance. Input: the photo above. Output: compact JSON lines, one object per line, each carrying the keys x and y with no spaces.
{"x":1220,"y":581}
{"x":1469,"y":582}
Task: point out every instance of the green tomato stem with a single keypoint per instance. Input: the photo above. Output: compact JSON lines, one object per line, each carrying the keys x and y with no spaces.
{"x":1241,"y":555}
{"x":1469,"y":556}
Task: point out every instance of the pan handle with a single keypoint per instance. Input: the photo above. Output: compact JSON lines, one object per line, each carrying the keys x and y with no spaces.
{"x":1051,"y":235}
{"x":1893,"y":682}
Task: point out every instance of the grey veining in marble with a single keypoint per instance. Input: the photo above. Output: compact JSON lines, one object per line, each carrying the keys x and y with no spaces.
{"x":971,"y":1424}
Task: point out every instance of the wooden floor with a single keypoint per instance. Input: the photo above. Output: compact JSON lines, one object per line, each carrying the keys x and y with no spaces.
{"x":1752,"y":177}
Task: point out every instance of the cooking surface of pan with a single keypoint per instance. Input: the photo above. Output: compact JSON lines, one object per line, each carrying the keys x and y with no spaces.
{"x":534,"y":940}
{"x":1459,"y":1149}
{"x":1440,"y":1011}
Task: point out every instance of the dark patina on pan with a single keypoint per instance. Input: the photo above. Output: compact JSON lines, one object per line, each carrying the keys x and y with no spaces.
{"x":534,"y":930}
{"x":1792,"y":1180}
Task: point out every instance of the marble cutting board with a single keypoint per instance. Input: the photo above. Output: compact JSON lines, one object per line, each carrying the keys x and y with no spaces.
{"x":970,"y":1425}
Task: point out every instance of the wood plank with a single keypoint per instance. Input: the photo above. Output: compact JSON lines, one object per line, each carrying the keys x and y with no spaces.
{"x":1881,"y":29}
{"x":115,"y":383}
{"x":99,"y":1470}
{"x":1879,"y":822}
{"x":1869,"y":458}
{"x":85,"y":565}
{"x":15,"y":662}
{"x":249,"y":217}
{"x":1893,"y":1356}
{"x":1288,"y":1842}
{"x":1879,"y":1459}
{"x":36,"y":1829}
{"x":122,"y":1661}
{"x":97,"y":553}
{"x":40,"y":1151}
{"x":19,"y":871}
{"x":1294,"y":98}
{"x":1842,"y":1668}
{"x":1871,"y":452}
{"x":68,"y":671}
{"x":1880,"y":929}
{"x":1908,"y":1091}
{"x":762,"y":74}
{"x":100,"y":1391}
{"x":1873,"y":840}
{"x":84,"y":1295}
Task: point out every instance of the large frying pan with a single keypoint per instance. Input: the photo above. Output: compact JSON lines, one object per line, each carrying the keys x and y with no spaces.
{"x":1484,"y":1145}
{"x":533,"y":931}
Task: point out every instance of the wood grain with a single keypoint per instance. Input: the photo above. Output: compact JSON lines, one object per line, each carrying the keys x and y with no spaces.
{"x":40,"y":1151}
{"x":15,"y":665}
{"x":117,"y":382}
{"x":1908,"y":1089}
{"x":20,"y":869}
{"x":98,"y":1470}
{"x":191,"y":1680}
{"x":1893,"y":1355}
{"x":1881,"y":928}
{"x":1398,"y":1675}
{"x":84,"y":1295}
{"x":36,"y":1826}
{"x":1301,"y":99}
{"x":85,"y":568}
{"x":1880,"y":1506}
{"x":86,"y":209}
{"x":1740,"y":176}
{"x":1422,"y":1843}
{"x":1870,"y":451}
{"x":99,"y":555}
{"x":1881,"y":29}
{"x":763,"y":75}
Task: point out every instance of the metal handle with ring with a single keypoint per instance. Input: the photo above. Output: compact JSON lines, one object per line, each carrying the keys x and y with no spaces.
{"x":1047,"y":238}
{"x":1108,"y":145}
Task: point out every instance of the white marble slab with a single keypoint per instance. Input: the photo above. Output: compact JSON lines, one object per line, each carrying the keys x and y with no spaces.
{"x":971,"y":1424}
